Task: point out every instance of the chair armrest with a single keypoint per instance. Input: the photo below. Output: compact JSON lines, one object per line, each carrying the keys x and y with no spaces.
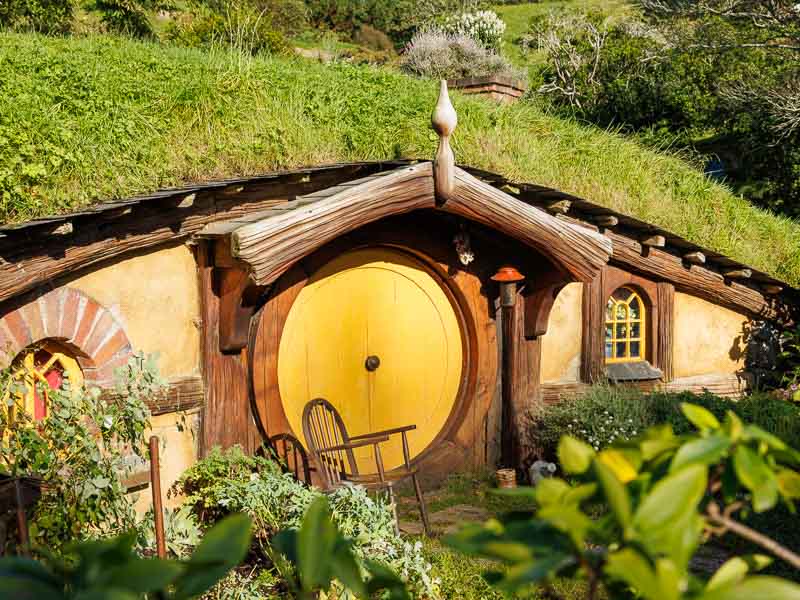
{"x":352,"y":445}
{"x":385,"y":432}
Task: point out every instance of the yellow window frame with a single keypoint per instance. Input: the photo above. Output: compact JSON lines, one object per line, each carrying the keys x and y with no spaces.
{"x":29,"y":374}
{"x":613,"y":304}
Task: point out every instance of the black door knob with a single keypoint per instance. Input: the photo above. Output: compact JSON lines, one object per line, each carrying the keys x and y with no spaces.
{"x":372,"y":363}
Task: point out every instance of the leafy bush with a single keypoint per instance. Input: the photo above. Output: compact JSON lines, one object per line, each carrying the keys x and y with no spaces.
{"x":127,"y":17}
{"x":240,"y":26}
{"x":111,"y":569}
{"x":78,"y":451}
{"x":181,"y":532}
{"x":398,"y":19}
{"x":483,"y":26}
{"x":440,"y":55}
{"x":666,"y":494}
{"x":606,"y":414}
{"x":45,"y":16}
{"x":230,"y":481}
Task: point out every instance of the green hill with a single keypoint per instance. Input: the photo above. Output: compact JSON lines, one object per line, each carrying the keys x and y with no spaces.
{"x":90,"y":118}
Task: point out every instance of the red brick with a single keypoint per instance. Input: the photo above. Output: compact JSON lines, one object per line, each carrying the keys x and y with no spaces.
{"x":85,"y":326}
{"x":105,"y":376}
{"x":33,"y":317}
{"x":69,"y":313}
{"x":114,"y":345}
{"x":51,"y":310}
{"x":18,"y":329}
{"x":102,"y":328}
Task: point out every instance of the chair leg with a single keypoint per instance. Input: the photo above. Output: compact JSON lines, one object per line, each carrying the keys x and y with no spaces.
{"x":393,"y":501}
{"x":423,"y":511}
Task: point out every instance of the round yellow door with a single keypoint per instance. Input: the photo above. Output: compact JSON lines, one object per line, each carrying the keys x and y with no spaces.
{"x":373,"y":333}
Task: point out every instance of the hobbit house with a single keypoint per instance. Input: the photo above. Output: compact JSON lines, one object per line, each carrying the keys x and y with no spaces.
{"x":406,"y":291}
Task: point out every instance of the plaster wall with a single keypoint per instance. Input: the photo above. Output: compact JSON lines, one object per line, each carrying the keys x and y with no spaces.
{"x":708,"y":338}
{"x":178,"y":434}
{"x":155,"y":297}
{"x":561,"y":345}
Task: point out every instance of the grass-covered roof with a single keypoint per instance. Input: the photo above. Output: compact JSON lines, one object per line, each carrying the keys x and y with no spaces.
{"x":88,"y":119}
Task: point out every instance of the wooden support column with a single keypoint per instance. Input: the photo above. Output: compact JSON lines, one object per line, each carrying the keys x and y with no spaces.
{"x":508,"y":277}
{"x":227,"y":417}
{"x":593,"y":306}
{"x":666,"y":320}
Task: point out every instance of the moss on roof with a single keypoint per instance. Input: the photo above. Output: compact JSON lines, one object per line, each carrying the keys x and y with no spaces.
{"x":88,"y":119}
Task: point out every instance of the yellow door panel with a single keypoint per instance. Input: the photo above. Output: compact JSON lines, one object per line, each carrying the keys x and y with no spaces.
{"x":373,"y":302}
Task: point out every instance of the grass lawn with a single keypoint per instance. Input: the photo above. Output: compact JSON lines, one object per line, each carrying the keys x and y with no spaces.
{"x":90,"y":118}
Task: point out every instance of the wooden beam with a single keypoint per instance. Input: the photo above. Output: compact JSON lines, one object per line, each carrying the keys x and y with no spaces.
{"x":576,"y":250}
{"x":32,"y":260}
{"x":699,"y":281}
{"x":593,"y":326}
{"x":561,"y":207}
{"x":271,"y":246}
{"x":771,"y":288}
{"x":665,"y":302}
{"x":538,"y":305}
{"x":181,"y":394}
{"x":606,"y":221}
{"x":739,"y":273}
{"x":654,"y":241}
{"x":695,"y":258}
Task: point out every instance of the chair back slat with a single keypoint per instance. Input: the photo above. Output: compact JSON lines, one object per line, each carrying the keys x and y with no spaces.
{"x":323,"y":428}
{"x":291,"y":454}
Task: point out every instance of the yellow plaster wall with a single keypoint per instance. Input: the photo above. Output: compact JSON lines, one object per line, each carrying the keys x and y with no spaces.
{"x":561,"y":345}
{"x":708,"y":338}
{"x":155,"y":297}
{"x":178,"y":434}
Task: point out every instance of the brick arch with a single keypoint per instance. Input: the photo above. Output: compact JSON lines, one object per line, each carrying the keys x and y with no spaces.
{"x":76,"y":320}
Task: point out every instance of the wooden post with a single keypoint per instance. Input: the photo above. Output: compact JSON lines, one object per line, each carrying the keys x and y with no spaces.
{"x":158,"y":509}
{"x":508,"y":277}
{"x":22,"y":520}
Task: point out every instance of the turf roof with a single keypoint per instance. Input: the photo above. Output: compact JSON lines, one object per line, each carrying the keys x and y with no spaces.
{"x":96,"y":118}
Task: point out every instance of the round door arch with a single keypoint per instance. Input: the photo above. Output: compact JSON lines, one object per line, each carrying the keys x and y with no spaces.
{"x":375,"y":333}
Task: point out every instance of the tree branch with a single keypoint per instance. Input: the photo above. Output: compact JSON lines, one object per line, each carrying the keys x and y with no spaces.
{"x":728,"y":524}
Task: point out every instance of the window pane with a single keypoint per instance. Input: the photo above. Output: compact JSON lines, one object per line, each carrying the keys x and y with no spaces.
{"x":636,"y":329}
{"x":610,"y":310}
{"x":609,"y":332}
{"x":636,"y":351}
{"x":635,"y":309}
{"x":621,"y":350}
{"x":622,"y":330}
{"x":622,"y":312}
{"x":609,"y":350}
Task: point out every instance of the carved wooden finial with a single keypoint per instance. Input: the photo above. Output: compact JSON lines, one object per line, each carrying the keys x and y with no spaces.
{"x":444,"y":120}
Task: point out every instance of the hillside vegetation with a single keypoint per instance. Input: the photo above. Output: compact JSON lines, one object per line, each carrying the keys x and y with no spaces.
{"x":90,"y":118}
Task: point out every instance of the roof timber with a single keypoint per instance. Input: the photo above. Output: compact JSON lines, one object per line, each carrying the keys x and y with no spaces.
{"x":270,"y":244}
{"x":41,"y":251}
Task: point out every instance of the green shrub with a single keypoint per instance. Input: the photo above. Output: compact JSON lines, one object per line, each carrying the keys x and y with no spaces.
{"x":127,"y":17}
{"x":79,"y":451}
{"x":605,"y":414}
{"x":373,"y":38}
{"x":240,"y":26}
{"x":45,"y":16}
{"x":230,"y":481}
{"x":399,"y":19}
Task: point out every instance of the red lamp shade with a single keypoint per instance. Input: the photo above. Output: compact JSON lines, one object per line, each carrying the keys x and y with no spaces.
{"x":507,"y":274}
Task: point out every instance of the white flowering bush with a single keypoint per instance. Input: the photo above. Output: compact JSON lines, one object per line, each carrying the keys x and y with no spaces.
{"x":603,"y":430}
{"x":440,"y":54}
{"x":483,"y":26}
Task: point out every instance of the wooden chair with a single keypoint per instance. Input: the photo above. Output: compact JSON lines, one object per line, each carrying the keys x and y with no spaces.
{"x":290,"y":452}
{"x":332,"y":449}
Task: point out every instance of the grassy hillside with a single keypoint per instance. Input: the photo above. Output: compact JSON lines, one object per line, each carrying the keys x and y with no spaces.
{"x":93,"y":118}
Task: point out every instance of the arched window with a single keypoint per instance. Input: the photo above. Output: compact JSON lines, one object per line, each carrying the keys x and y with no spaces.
{"x":39,"y":369}
{"x":625,"y":327}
